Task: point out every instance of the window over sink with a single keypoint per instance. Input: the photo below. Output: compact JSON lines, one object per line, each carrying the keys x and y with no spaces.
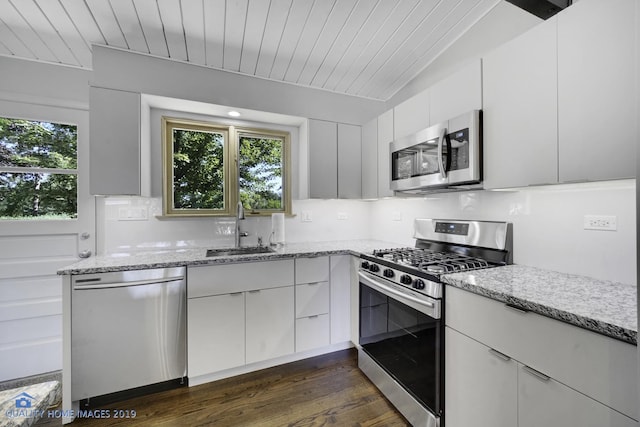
{"x":209,"y":167}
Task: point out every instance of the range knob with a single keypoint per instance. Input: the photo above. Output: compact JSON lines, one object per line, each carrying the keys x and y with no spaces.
{"x":405,"y":279}
{"x":388,"y":273}
{"x":418,"y":284}
{"x":365,"y":265}
{"x":374,"y":268}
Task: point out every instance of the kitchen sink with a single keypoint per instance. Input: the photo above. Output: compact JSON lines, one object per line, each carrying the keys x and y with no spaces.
{"x":249,"y":250}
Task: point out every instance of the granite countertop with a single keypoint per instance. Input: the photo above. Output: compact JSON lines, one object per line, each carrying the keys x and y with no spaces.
{"x":197,"y":256}
{"x":24,"y":406}
{"x":605,"y":307}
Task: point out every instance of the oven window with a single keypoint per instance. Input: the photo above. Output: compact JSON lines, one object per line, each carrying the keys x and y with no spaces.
{"x":404,"y":342}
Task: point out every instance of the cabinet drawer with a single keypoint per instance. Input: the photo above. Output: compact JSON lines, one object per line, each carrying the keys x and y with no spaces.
{"x":312,"y":299}
{"x":312,"y":332}
{"x":230,"y":278}
{"x":591,"y":363}
{"x":309,"y":270}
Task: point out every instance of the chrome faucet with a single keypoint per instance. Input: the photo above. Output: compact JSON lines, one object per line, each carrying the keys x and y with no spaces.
{"x":239,"y":216}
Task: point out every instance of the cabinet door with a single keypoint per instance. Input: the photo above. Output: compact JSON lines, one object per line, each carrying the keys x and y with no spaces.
{"x":114,"y":145}
{"x":215,"y":336}
{"x":411,"y":115}
{"x":596,"y":77}
{"x":323,"y":159}
{"x":520,"y":111}
{"x":481,"y":384}
{"x":457,"y":94}
{"x":543,"y":401}
{"x":312,"y":299}
{"x":385,"y":137}
{"x":312,"y":332}
{"x":370,"y":160}
{"x":270,"y":323}
{"x":349,"y":161}
{"x":340,"y":298}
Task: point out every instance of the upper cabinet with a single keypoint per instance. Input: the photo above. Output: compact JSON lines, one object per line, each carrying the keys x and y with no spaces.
{"x":385,"y":137}
{"x":116,"y":156}
{"x":370,"y":160}
{"x":558,"y":100}
{"x":596,"y":81}
{"x":520,"y":114}
{"x":334,"y":160}
{"x":459,"y":93}
{"x":411,"y":115}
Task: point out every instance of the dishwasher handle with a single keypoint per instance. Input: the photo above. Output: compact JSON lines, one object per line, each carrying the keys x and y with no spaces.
{"x":94,"y":283}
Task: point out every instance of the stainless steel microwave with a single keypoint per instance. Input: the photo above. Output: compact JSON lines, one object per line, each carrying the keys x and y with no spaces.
{"x":442,"y":155}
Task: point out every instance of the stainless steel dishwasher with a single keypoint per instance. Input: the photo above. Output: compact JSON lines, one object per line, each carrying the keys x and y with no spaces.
{"x":128,"y":330}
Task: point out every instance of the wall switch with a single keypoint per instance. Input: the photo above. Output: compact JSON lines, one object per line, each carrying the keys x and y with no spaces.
{"x":306,"y":216}
{"x":343,"y":215}
{"x":137,"y":213}
{"x":600,"y":222}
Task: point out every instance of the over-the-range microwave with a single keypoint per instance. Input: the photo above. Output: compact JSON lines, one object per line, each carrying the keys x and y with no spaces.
{"x":443,"y":155}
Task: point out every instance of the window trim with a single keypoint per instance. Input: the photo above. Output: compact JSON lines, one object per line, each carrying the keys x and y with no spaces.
{"x":231,"y":166}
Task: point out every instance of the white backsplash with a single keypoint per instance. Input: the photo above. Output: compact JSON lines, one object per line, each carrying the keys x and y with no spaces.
{"x":547,"y":224}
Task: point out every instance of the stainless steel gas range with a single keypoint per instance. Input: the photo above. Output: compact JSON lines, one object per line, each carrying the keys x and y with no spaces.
{"x":401,"y":342}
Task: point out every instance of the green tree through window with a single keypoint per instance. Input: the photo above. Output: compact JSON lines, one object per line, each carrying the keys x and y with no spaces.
{"x":38,"y":170}
{"x":260,"y":172}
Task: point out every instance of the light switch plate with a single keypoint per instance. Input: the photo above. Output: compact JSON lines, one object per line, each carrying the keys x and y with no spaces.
{"x":306,"y":216}
{"x":137,"y":213}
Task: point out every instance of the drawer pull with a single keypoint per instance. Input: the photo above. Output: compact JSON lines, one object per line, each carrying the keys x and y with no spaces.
{"x":536,"y":374}
{"x":499,"y":355}
{"x":517,"y":308}
{"x":315,"y":316}
{"x":257,"y":291}
{"x":235,"y":294}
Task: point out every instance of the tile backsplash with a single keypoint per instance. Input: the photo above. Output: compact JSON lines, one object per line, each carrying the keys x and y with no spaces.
{"x":547,"y":223}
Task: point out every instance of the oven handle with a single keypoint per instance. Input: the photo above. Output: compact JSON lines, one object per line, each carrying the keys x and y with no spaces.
{"x":373,"y":282}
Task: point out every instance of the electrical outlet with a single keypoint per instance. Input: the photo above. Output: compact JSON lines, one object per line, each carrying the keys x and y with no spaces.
{"x":133,"y":214}
{"x":396,"y":216}
{"x":600,"y":222}
{"x":306,"y":216}
{"x":342,"y":216}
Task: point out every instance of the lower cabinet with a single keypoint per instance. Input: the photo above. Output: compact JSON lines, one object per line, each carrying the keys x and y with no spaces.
{"x":481,"y":385}
{"x":515,"y":368}
{"x":542,"y":401}
{"x":270,"y":326}
{"x":215,"y":346}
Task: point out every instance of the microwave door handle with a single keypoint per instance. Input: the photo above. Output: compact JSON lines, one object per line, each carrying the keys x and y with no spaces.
{"x":441,"y":165}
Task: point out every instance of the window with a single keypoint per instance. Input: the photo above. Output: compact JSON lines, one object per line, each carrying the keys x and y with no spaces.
{"x":38,"y":170}
{"x":209,"y":167}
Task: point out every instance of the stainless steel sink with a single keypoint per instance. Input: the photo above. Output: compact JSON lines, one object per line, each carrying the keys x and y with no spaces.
{"x":249,"y":250}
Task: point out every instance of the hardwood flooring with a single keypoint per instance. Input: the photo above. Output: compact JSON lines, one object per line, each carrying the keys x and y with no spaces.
{"x":321,"y":391}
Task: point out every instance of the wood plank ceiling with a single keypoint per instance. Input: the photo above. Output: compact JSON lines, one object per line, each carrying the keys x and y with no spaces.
{"x":366,"y":48}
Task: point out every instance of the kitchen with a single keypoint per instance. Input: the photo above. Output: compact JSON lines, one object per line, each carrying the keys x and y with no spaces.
{"x":548,"y":220}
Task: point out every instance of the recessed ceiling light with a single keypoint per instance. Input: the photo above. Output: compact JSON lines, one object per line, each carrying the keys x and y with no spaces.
{"x":234,"y":114}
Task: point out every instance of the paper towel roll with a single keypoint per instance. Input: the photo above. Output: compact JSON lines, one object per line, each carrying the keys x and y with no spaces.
{"x":277,"y":229}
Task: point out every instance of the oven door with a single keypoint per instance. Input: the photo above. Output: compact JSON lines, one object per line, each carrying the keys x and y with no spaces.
{"x":403,"y":335}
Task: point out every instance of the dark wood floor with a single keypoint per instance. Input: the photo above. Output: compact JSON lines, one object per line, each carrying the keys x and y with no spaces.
{"x":321,"y":391}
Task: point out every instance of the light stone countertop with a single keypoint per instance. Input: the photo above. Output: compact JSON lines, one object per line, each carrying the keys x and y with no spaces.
{"x":605,"y":307}
{"x":180,"y":257}
{"x":24,"y":406}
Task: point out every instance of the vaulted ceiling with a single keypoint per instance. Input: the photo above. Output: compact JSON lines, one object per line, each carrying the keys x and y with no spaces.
{"x":367,"y":48}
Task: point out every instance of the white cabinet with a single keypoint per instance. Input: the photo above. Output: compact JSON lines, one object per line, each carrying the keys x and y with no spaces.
{"x":480,"y":384}
{"x":520,"y":113}
{"x":216,"y":345}
{"x":349,"y":161}
{"x":457,"y":94}
{"x":385,"y":137}
{"x":340,"y":298}
{"x":269,"y":323}
{"x":411,"y":115}
{"x":334,"y":160}
{"x":587,"y":365}
{"x":312,"y":303}
{"x":596,"y":79}
{"x":323,"y":159}
{"x":370,"y":160}
{"x":115,"y":150}
{"x":542,"y":401}
{"x":238,"y":314}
